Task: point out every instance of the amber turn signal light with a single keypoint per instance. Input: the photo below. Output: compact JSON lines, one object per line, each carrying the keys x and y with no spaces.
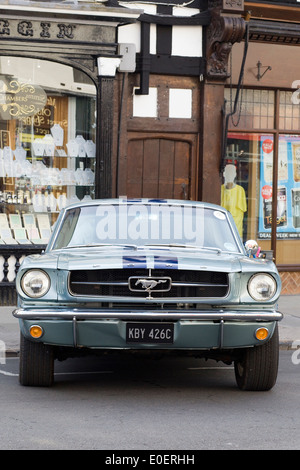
{"x":261,"y":333}
{"x":36,"y":331}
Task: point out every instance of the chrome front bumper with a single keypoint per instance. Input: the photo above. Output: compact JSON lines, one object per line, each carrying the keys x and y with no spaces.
{"x":164,"y":315}
{"x":106,"y":329}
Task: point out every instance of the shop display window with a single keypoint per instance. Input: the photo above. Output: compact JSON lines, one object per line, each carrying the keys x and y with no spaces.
{"x":250,"y":166}
{"x":240,"y":188}
{"x":47,"y":145}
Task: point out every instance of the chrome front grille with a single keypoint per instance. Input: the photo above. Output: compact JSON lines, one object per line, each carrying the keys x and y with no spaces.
{"x":119,"y":283}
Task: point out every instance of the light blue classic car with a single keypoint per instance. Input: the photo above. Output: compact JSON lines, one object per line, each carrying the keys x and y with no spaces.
{"x":148,"y":275}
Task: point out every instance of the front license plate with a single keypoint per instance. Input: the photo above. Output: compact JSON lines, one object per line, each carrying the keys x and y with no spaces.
{"x":150,"y":333}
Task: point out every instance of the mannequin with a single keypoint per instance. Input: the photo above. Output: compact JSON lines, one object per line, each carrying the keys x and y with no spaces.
{"x":233,"y":197}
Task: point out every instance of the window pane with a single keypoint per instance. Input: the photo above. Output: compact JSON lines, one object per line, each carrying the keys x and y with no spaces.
{"x":255,"y":109}
{"x":289,"y":112}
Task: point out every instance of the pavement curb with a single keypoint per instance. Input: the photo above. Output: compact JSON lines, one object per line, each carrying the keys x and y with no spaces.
{"x":285,"y":345}
{"x":12,"y":353}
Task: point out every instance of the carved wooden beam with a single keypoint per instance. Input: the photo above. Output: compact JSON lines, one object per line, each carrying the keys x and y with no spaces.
{"x":222,"y":33}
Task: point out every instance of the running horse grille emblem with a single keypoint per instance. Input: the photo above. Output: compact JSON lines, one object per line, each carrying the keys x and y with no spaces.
{"x":149,"y":284}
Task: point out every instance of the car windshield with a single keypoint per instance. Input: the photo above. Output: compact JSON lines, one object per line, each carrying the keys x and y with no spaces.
{"x":135,"y":225}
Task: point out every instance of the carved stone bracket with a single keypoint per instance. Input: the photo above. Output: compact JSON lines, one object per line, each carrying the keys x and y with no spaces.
{"x":222,"y":33}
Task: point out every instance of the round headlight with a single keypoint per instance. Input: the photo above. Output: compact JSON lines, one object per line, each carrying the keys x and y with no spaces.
{"x":35,"y":283}
{"x":262,"y":287}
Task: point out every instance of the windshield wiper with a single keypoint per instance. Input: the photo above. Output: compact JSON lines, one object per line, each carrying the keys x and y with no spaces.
{"x":181,"y":245}
{"x":178,"y":245}
{"x":94,"y":245}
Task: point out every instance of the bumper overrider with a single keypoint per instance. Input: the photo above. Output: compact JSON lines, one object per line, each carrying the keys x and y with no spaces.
{"x":170,"y":329}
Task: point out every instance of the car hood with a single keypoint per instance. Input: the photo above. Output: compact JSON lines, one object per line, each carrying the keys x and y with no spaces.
{"x":146,"y":258}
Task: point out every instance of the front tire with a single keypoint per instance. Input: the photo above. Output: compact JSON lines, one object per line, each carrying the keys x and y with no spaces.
{"x":257,"y":367}
{"x":36,"y":363}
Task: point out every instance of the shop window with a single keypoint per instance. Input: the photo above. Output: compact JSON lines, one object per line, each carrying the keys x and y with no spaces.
{"x":47,"y":145}
{"x":240,"y":192}
{"x":250,"y":164}
{"x":288,"y":233}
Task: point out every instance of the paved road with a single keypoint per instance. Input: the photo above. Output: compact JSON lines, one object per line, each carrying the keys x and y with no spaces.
{"x":125,"y":403}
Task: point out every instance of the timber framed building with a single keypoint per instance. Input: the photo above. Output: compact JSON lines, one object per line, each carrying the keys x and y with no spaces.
{"x":175,"y":99}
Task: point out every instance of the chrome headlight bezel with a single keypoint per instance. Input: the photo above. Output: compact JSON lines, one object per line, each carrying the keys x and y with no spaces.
{"x":262,"y":287}
{"x":41,"y":286}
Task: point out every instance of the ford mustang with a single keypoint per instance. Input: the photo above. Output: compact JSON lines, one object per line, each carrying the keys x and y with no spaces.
{"x":148,"y":275}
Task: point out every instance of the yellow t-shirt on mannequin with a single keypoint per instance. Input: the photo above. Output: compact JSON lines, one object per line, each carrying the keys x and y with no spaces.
{"x":234,"y":200}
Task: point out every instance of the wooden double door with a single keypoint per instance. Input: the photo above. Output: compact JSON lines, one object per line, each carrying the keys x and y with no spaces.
{"x":162,"y":166}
